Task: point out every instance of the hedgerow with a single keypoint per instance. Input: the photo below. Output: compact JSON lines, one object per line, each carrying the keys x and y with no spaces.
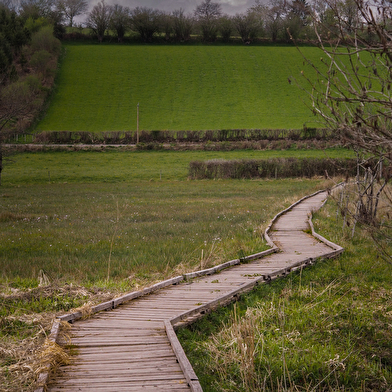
{"x":167,"y":136}
{"x":272,"y":168}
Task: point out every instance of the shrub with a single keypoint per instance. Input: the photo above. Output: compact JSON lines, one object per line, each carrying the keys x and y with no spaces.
{"x":45,"y":40}
{"x":39,"y":60}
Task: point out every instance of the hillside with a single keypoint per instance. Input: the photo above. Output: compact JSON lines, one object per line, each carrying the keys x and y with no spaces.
{"x":178,"y":87}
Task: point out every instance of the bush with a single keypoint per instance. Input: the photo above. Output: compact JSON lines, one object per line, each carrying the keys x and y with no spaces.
{"x":272,"y":168}
{"x":39,"y":60}
{"x":45,"y":40}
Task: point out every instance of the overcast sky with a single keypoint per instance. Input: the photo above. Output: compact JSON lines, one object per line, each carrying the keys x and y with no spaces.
{"x":230,"y":7}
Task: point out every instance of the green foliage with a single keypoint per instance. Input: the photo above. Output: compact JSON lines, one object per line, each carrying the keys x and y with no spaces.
{"x":35,"y":24}
{"x":24,"y":88}
{"x":13,"y":36}
{"x":45,"y":40}
{"x":178,"y":88}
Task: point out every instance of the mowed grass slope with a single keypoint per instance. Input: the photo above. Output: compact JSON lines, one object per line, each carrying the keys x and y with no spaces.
{"x":178,"y":88}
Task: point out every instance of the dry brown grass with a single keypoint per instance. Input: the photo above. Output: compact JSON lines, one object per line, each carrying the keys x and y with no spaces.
{"x":22,"y":361}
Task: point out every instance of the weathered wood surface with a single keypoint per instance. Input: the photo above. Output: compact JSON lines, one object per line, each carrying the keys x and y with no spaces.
{"x":130,"y":348}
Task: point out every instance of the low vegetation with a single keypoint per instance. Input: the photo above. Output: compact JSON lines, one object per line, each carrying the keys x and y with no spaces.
{"x":324,"y":328}
{"x":51,"y":222}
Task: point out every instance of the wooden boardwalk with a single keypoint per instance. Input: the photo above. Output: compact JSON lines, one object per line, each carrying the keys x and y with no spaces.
{"x":133,"y":347}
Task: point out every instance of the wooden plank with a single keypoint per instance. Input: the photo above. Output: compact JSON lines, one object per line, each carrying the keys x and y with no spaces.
{"x":141,"y":350}
{"x":162,"y":363}
{"x":186,"y":366}
{"x":117,"y":379}
{"x":104,"y":371}
{"x":172,"y":386}
{"x":155,"y":287}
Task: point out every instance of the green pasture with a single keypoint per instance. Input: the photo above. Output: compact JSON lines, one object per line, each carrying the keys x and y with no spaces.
{"x":81,"y":216}
{"x":125,"y":166}
{"x":178,"y":88}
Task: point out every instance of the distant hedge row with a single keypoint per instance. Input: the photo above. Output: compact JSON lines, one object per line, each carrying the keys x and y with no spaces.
{"x":272,"y":168}
{"x":130,"y":137}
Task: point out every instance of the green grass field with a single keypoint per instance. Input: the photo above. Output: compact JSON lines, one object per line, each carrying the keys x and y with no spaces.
{"x":66,"y":212}
{"x":178,"y":88}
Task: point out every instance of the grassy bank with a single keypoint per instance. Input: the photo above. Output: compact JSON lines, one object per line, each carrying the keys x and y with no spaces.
{"x":325,"y":328}
{"x":178,"y":88}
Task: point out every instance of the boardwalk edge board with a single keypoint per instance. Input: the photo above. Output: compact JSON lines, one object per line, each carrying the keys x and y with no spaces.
{"x":268,"y":229}
{"x":112,"y":304}
{"x":43,"y":377}
{"x":338,"y":248}
{"x":186,"y":367}
{"x":199,"y":311}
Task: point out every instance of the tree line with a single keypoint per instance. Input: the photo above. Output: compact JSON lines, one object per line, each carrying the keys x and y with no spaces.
{"x":278,"y":20}
{"x":28,"y":63}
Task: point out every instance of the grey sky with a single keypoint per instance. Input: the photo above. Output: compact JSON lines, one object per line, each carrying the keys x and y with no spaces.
{"x":230,"y":7}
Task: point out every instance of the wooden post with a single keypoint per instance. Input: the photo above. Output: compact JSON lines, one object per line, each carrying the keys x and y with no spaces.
{"x":137,"y":125}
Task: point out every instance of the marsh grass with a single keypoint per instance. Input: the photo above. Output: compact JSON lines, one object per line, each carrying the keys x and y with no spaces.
{"x":77,"y":232}
{"x":324,"y":328}
{"x":135,"y":211}
{"x":97,"y":206}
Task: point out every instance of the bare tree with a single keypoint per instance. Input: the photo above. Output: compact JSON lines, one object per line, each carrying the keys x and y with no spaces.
{"x":248,"y":25}
{"x":146,"y":22}
{"x":120,"y":21}
{"x":166,"y":21}
{"x":325,"y":17}
{"x":225,"y":27}
{"x":182,"y":25}
{"x":72,"y":8}
{"x":352,"y":94}
{"x":99,"y":18}
{"x":207,"y":14}
{"x":11,"y":5}
{"x":37,"y":8}
{"x":273,"y":16}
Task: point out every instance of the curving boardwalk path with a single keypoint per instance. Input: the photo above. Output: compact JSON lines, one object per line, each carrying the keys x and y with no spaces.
{"x":134,"y":348}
